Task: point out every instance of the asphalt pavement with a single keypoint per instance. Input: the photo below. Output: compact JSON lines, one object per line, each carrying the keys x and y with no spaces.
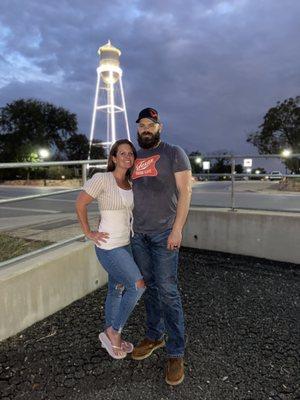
{"x":54,"y":219}
{"x":249,"y":195}
{"x":242,"y":335}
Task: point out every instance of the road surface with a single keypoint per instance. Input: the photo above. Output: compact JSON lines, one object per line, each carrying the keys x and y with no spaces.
{"x":249,"y":195}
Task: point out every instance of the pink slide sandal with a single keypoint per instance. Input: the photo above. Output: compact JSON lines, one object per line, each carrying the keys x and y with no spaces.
{"x":127,"y":346}
{"x":106,"y":344}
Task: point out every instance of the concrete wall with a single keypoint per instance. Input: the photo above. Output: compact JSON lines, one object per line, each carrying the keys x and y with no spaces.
{"x":275,"y":236}
{"x":33,"y":289}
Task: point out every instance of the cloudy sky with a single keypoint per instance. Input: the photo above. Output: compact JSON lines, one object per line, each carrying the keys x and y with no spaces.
{"x":212,"y":68}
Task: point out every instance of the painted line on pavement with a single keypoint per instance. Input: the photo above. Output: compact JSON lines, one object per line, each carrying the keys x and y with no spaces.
{"x":29,"y":209}
{"x":49,"y":199}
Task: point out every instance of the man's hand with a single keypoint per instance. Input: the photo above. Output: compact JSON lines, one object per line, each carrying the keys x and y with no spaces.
{"x":97,"y":237}
{"x":174,"y":240}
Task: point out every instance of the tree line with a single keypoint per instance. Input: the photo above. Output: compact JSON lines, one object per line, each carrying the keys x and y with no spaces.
{"x":27,"y":126}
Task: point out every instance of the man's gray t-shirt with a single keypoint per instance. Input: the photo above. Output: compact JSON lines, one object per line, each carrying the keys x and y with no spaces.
{"x":154,"y":187}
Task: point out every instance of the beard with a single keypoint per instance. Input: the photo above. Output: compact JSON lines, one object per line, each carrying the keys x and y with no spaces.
{"x":148,"y":140}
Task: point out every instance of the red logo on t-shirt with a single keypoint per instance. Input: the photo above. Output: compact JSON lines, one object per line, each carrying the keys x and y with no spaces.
{"x":145,"y":167}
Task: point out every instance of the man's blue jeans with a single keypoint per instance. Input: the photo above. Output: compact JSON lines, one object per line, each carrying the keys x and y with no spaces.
{"x":159,"y":266}
{"x":123,"y":293}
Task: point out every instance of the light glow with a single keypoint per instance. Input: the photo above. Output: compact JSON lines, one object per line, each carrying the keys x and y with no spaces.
{"x":286,"y":153}
{"x":44,"y":153}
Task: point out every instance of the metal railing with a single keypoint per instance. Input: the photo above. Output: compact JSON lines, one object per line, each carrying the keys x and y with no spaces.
{"x":233,"y":175}
{"x":85,"y":164}
{"x":84,"y":168}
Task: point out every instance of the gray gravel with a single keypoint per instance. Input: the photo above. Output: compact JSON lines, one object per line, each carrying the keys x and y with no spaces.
{"x":242,"y":318}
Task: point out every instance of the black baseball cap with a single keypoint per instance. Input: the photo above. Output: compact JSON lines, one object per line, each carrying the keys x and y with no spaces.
{"x":149,"y":113}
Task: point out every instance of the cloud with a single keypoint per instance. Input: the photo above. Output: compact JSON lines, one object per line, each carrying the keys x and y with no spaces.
{"x":212,"y":68}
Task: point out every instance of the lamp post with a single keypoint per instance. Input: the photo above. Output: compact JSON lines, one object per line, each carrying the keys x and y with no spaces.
{"x":206,"y":166}
{"x":44,"y":153}
{"x":197,"y":161}
{"x":286,"y":153}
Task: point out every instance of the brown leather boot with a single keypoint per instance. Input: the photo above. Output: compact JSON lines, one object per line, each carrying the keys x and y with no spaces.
{"x":175,"y":371}
{"x":146,"y":348}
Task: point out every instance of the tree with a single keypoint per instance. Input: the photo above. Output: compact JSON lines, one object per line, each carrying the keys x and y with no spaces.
{"x":196,"y":166}
{"x":97,"y":151}
{"x":77,"y":148}
{"x":280,"y":130}
{"x":222,"y":165}
{"x":32,"y":124}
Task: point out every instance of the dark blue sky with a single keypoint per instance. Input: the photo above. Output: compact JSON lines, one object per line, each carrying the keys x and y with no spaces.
{"x":211,"y":68}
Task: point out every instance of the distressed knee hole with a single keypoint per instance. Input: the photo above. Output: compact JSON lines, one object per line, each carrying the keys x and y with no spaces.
{"x":140,"y":284}
{"x":120,"y":287}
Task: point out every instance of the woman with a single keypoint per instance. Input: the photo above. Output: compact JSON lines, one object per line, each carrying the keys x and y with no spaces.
{"x":125,"y":282}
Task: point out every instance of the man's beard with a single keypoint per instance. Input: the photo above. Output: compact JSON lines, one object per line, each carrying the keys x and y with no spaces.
{"x":148,"y":140}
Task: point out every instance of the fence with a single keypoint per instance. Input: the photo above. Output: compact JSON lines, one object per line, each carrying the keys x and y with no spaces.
{"x":233,"y":175}
{"x":85,"y":167}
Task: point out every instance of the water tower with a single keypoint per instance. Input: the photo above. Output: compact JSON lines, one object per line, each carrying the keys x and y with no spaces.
{"x":109,"y":78}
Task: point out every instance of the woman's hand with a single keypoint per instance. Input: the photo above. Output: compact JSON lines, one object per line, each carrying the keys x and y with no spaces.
{"x":97,"y":237}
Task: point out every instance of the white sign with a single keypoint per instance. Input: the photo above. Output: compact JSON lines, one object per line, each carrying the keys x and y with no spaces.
{"x":206,"y":165}
{"x":247,"y":162}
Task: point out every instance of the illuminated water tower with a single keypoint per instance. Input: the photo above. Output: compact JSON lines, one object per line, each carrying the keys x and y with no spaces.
{"x":109,"y":78}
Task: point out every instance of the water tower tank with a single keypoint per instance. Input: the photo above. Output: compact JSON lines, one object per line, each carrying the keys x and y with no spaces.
{"x":109,"y":63}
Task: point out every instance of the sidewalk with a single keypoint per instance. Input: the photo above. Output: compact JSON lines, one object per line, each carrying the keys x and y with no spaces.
{"x":263,"y":187}
{"x":62,"y":226}
{"x":242,"y":334}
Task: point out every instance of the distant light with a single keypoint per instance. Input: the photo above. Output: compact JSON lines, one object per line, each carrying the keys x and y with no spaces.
{"x":206,"y":165}
{"x":198,"y":160}
{"x":257,"y":171}
{"x":44,"y":153}
{"x":286,"y":153}
{"x":247,"y":162}
{"x":248,"y":170}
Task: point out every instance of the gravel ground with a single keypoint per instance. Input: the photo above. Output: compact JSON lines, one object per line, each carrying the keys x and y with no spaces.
{"x":242,"y":333}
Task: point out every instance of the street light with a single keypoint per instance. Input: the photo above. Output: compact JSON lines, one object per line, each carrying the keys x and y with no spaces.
{"x":286,"y":154}
{"x":198,"y":160}
{"x":44,"y":153}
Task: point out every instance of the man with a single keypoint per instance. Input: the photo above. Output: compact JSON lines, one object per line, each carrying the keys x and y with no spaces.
{"x":162,"y":191}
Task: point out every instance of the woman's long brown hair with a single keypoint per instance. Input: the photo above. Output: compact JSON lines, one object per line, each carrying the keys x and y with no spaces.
{"x":113,"y":153}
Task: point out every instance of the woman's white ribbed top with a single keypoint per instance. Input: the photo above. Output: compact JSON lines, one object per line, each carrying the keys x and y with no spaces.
{"x":115,"y":208}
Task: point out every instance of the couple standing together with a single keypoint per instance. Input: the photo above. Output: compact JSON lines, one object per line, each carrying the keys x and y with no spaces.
{"x":144,"y":200}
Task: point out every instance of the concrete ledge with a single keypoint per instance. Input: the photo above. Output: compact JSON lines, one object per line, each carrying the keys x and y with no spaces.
{"x":33,"y":289}
{"x":264,"y":234}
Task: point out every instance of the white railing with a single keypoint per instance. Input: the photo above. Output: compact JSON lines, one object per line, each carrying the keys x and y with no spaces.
{"x":87,"y":163}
